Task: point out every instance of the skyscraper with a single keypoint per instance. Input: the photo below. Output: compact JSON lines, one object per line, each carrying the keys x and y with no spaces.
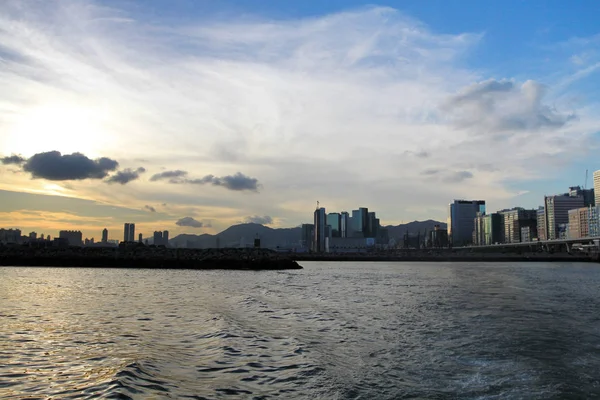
{"x":360,"y":221}
{"x":344,"y":224}
{"x":597,"y":187}
{"x":158,"y":238}
{"x":165,"y":238}
{"x":104,"y":235}
{"x":334,"y":220}
{"x":140,"y":238}
{"x":557,"y":213}
{"x":129,"y":232}
{"x":461,"y":216}
{"x":319,"y":231}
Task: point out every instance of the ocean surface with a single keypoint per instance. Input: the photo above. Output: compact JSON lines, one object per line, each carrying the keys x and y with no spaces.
{"x":330,"y":331}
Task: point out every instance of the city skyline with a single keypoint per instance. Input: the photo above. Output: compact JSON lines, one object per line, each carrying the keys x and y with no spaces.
{"x":192,"y":117}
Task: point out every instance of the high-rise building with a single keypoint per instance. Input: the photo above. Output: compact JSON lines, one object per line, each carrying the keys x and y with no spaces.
{"x":597,"y":188}
{"x":73,"y":238}
{"x":10,"y":236}
{"x":319,"y":231}
{"x":493,"y":229}
{"x":557,"y":213}
{"x":479,"y":229}
{"x":104,"y":235}
{"x":541,"y":223}
{"x":334,"y":220}
{"x":129,"y":232}
{"x":514,"y":220}
{"x":579,"y":223}
{"x":158,"y":238}
{"x":461,"y":214}
{"x":594,"y":221}
{"x":344,"y":224}
{"x":166,"y":238}
{"x":360,"y":222}
{"x":32,"y":236}
{"x":587,"y":194}
{"x":306,"y":239}
{"x":439,"y":237}
{"x":140,"y":238}
{"x":372,"y":225}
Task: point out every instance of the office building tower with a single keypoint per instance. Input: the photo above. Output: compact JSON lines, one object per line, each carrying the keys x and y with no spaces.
{"x":32,"y":236}
{"x":493,"y":229}
{"x":344,"y":224}
{"x":10,"y":236}
{"x":514,"y":220}
{"x":360,"y":222}
{"x":72,"y":238}
{"x":597,"y":188}
{"x":372,"y":225}
{"x":158,"y":238}
{"x":438,"y":237}
{"x":306,"y":238}
{"x":334,"y":221}
{"x":594,"y":221}
{"x":479,"y":229}
{"x":587,"y":194}
{"x":104,"y":235}
{"x":461,"y":214}
{"x":557,"y":213}
{"x":541,"y":223}
{"x":129,"y":232}
{"x":140,"y":239}
{"x":320,"y":230}
{"x":165,"y":238}
{"x":579,"y":223}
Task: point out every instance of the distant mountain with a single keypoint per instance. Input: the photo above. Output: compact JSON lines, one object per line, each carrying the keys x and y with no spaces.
{"x":244,"y":234}
{"x":413,"y":228}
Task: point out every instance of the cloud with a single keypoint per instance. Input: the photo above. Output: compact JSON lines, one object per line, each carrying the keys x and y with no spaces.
{"x":496,"y":106}
{"x":172,"y":175}
{"x":237,"y":182}
{"x":13,"y":159}
{"x":448,"y":176}
{"x":126,"y":176}
{"x":54,"y":166}
{"x":149,"y":208}
{"x":192,"y":223}
{"x":316,"y":107}
{"x":265,"y":220}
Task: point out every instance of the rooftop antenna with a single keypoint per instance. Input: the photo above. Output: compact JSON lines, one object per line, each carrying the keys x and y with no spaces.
{"x":317,"y":204}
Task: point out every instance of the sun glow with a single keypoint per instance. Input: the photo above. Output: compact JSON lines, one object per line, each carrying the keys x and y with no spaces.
{"x":67,"y":128}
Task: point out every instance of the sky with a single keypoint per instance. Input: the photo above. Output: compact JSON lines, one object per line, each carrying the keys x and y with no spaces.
{"x":194,"y":115}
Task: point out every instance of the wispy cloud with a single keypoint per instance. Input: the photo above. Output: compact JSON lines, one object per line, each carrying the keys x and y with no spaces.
{"x":340,"y":108}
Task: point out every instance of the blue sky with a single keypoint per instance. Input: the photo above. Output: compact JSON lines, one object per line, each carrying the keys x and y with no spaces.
{"x":232,"y":111}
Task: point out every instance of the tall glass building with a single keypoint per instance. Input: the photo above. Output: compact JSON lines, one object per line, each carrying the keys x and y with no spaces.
{"x":461,"y":217}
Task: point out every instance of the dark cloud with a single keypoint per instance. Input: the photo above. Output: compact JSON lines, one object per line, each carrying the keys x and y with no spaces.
{"x":236,"y":182}
{"x":149,"y":208}
{"x":126,"y":176}
{"x":257,"y":219}
{"x":500,"y":106}
{"x":192,"y":223}
{"x":173,"y":176}
{"x":459,"y":176}
{"x":13,"y":159}
{"x":54,"y":166}
{"x":419,"y":154}
{"x":448,"y":176}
